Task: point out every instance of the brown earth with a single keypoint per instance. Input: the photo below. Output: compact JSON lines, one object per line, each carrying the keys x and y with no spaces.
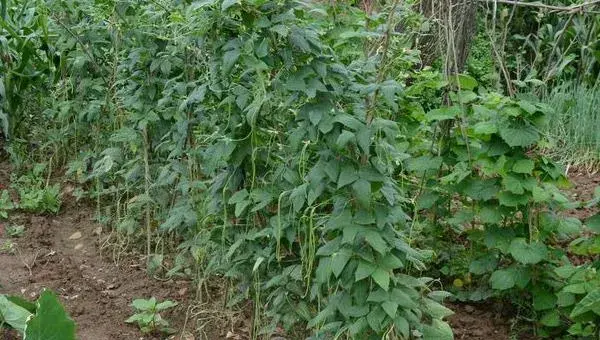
{"x":479,"y":322}
{"x":584,"y":183}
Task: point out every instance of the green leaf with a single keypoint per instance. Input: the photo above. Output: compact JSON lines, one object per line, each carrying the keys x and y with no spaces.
{"x":29,"y":306}
{"x":238,"y":197}
{"x":575,"y":288}
{"x":228,"y":3}
{"x":498,"y":238}
{"x":144,"y":305}
{"x":423,"y":163}
{"x":298,"y":40}
{"x":593,"y":223}
{"x":502,"y":279}
{"x":403,"y":299}
{"x":524,"y":166}
{"x":338,"y":262}
{"x":444,"y":113}
{"x":490,"y":215}
{"x":513,"y":184}
{"x":240,"y":207}
{"x":509,"y":199}
{"x":348,"y":121}
{"x":375,"y":318}
{"x":345,"y":138}
{"x":438,"y":330}
{"x":382,"y":278}
{"x":375,"y":240}
{"x":569,"y":226}
{"x":565,"y":271}
{"x":13,"y":314}
{"x":527,"y":106}
{"x":402,"y":326}
{"x":362,"y":191}
{"x":364,"y":270}
{"x":551,"y":319}
{"x":378,"y":295}
{"x":348,"y":175}
{"x":465,"y":82}
{"x":590,"y":302}
{"x":519,"y":135}
{"x":485,"y":128}
{"x":528,"y":253}
{"x":165,"y":305}
{"x":390,"y":308}
{"x":484,"y":264}
{"x":358,"y":326}
{"x":543,"y":299}
{"x":50,"y":322}
{"x":229,"y":59}
{"x":390,"y":262}
{"x":540,"y":194}
{"x":481,"y":189}
{"x":436,"y":310}
{"x":565,"y":299}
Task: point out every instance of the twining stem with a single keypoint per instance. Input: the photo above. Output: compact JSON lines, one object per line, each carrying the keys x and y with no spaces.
{"x":147,"y":192}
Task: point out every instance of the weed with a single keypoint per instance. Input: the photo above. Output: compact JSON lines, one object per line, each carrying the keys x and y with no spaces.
{"x":148,"y":317}
{"x":7,"y":247}
{"x":6,"y":204}
{"x":35,"y":194}
{"x":15,"y":230}
{"x":574,"y":124}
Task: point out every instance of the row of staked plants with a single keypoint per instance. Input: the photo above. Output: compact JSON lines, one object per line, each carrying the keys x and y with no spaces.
{"x":297,"y":150}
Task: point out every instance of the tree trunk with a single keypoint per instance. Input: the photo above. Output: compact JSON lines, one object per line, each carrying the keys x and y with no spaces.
{"x":452,"y":28}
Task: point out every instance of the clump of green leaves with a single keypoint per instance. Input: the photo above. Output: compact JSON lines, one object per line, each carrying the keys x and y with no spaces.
{"x":147,"y":316}
{"x":35,"y":194}
{"x":7,"y":247}
{"x":15,"y":230}
{"x":6,"y":204}
{"x":44,"y":319}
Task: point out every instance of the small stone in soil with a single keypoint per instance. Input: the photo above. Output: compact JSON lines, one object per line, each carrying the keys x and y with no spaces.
{"x":77,"y":235}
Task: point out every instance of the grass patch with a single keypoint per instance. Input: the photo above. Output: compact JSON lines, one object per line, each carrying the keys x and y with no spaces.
{"x":574,"y":125}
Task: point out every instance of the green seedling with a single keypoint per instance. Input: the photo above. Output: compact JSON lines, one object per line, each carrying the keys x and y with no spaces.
{"x":148,"y":317}
{"x":7,"y":247}
{"x":15,"y":230}
{"x":6,"y":204}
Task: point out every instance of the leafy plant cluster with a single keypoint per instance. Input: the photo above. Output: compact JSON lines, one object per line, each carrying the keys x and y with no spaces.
{"x":295,"y":149}
{"x":35,"y":193}
{"x":148,"y":317}
{"x":492,"y":190}
{"x":40,"y":320}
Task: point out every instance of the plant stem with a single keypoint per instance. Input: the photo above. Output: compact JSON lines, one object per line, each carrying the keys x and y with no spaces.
{"x":147,"y":192}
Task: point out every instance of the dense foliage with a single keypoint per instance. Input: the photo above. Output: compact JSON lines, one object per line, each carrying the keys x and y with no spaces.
{"x":296,"y":149}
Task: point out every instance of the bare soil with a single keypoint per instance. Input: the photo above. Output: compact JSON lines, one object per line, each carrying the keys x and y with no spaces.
{"x":584,"y":184}
{"x":479,"y":322}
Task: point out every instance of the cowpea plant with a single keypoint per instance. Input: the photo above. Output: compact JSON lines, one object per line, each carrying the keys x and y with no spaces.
{"x":494,"y":191}
{"x":304,"y":174}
